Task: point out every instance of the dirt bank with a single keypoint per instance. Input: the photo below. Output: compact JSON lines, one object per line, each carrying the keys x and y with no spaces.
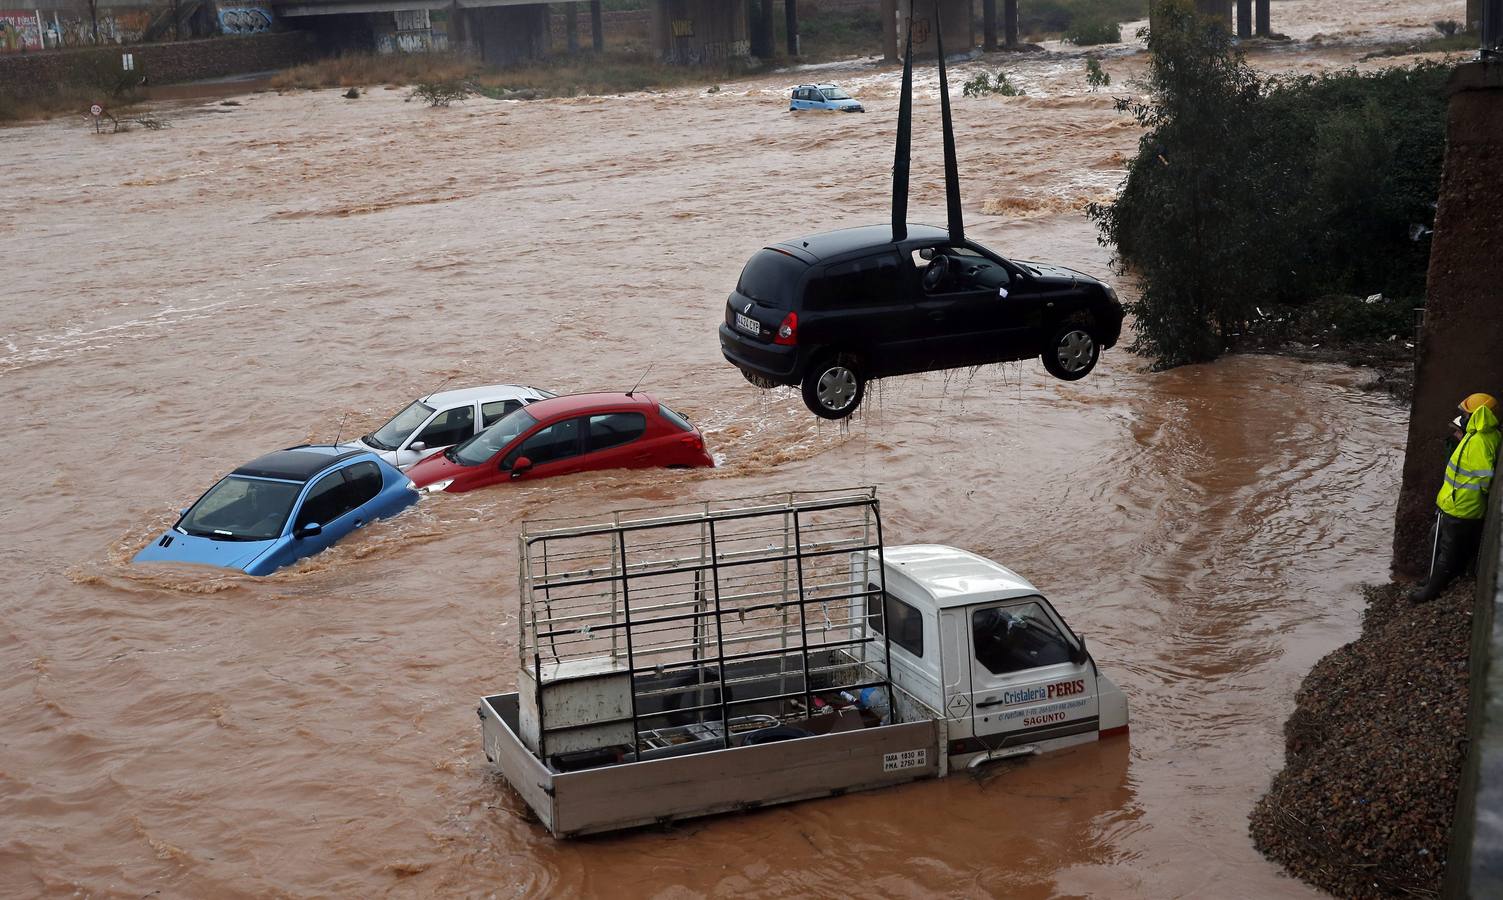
{"x":1373,"y":752}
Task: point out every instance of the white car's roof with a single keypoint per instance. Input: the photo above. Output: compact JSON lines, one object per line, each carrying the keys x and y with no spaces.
{"x":488,"y":392}
{"x":954,"y":577}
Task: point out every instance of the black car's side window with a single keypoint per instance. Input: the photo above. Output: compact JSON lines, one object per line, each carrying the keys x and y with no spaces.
{"x":557,"y":441}
{"x":872,"y":280}
{"x":615,"y":429}
{"x":326,"y":501}
{"x":947,"y":268}
{"x":449,"y":427}
{"x":364,"y":483}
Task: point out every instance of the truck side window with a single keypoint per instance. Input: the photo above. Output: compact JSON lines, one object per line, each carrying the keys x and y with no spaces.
{"x":1017,"y":638}
{"x":907,"y":622}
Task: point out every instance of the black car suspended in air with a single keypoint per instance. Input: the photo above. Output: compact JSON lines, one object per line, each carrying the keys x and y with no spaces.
{"x":831,"y":311}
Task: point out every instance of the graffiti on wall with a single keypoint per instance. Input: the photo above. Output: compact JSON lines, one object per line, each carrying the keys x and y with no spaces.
{"x":416,"y":32}
{"x":18,"y":31}
{"x":244,"y":20}
{"x":683,"y":28}
{"x":712,"y":51}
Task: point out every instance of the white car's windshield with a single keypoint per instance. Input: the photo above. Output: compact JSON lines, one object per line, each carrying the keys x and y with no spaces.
{"x":391,"y":435}
{"x":492,"y":440}
{"x":242,"y":509}
{"x":834,"y":93}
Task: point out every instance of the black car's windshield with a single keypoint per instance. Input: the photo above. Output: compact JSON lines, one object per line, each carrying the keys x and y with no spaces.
{"x":391,"y":435}
{"x":492,"y":440}
{"x":242,"y":509}
{"x":834,"y":93}
{"x":770,"y":278}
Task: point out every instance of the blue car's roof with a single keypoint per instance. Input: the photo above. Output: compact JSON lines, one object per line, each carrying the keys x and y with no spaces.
{"x":296,"y":463}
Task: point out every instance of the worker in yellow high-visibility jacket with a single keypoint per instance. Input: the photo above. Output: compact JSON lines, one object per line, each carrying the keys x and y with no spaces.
{"x":1463,"y":495}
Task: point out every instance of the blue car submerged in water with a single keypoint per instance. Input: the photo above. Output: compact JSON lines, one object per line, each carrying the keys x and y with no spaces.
{"x":823,"y":96}
{"x":277,"y":509}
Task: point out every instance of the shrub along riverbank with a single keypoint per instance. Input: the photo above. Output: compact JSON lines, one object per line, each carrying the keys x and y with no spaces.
{"x":1259,"y":209}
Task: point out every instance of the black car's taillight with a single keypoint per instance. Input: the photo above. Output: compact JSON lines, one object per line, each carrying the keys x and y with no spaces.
{"x":787,"y":331}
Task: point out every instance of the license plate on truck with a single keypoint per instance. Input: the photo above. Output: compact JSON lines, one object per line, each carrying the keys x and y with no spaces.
{"x":748,"y":324}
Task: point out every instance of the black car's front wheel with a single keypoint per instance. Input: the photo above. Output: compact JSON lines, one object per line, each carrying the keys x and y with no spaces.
{"x":833,"y":386}
{"x":1071,"y":353}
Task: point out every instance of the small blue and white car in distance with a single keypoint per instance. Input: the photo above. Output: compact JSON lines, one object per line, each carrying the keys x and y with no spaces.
{"x":438,"y":421}
{"x":823,"y":96}
{"x":282,"y":507}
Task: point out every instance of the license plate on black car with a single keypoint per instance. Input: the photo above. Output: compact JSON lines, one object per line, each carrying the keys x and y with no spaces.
{"x":748,"y":324}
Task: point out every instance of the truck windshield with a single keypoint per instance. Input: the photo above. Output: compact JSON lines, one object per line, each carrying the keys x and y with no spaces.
{"x":241,"y":509}
{"x":1017,"y":638}
{"x":391,"y":435}
{"x":492,"y":440}
{"x":770,"y":278}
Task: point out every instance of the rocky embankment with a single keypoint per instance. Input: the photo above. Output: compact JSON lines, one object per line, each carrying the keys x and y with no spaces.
{"x":1373,"y":751}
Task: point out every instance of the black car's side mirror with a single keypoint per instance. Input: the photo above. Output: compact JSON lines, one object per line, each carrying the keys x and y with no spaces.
{"x":312,"y":529}
{"x":520,"y":467}
{"x":926,"y":253}
{"x":1079,"y":654}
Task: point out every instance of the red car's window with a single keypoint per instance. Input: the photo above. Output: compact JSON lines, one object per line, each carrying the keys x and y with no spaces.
{"x":614,"y":429}
{"x":681,"y":423}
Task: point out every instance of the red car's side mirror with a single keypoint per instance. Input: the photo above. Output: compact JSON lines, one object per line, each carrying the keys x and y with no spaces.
{"x":520,"y":466}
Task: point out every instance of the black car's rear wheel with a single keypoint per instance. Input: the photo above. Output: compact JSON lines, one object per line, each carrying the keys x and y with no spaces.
{"x":833,"y":386}
{"x":1071,"y":353}
{"x":758,"y":379}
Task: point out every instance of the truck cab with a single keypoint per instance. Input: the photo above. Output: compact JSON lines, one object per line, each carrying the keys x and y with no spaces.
{"x":977,"y":641}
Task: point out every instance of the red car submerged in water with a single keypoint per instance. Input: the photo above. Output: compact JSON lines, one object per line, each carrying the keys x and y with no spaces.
{"x":564,"y":435}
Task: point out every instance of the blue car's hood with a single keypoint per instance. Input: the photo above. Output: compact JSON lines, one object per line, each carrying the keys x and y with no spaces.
{"x":188,"y":548}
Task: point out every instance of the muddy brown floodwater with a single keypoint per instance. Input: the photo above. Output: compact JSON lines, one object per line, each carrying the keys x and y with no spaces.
{"x":180,"y":301}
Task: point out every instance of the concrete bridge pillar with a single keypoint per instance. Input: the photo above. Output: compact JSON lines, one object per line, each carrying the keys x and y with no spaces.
{"x":694,"y":32}
{"x":955,"y":15}
{"x":508,"y":35}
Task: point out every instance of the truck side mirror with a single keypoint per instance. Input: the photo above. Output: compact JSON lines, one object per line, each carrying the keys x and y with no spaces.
{"x":1079,"y":655}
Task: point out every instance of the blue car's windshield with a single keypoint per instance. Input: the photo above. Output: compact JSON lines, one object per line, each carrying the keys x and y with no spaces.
{"x":834,"y":93}
{"x":242,"y":509}
{"x":391,"y":435}
{"x":492,"y":440}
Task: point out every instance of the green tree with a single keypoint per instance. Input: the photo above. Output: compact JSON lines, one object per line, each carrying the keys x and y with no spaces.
{"x":1192,"y":167}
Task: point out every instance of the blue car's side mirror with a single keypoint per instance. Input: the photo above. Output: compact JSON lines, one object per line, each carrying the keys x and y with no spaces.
{"x":312,"y":529}
{"x":183,"y":512}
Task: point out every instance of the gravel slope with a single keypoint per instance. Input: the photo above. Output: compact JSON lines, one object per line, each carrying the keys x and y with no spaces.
{"x":1373,"y":751}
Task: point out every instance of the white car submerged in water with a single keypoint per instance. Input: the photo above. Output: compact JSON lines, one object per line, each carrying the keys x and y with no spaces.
{"x":438,"y":421}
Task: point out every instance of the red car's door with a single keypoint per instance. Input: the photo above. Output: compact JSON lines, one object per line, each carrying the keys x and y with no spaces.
{"x":552,"y":450}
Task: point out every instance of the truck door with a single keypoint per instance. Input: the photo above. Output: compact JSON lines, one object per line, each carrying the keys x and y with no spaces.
{"x":1030,"y":679}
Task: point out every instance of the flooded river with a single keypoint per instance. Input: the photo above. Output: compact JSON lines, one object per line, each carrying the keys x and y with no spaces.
{"x":180,"y":301}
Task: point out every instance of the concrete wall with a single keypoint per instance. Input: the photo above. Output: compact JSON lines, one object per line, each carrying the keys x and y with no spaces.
{"x":1461,"y":343}
{"x":508,"y":35}
{"x":21,"y":74}
{"x":700,"y":31}
{"x":1474,"y":863}
{"x":955,"y":15}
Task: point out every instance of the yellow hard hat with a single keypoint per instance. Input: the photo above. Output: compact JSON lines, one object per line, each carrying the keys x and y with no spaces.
{"x":1470,"y":404}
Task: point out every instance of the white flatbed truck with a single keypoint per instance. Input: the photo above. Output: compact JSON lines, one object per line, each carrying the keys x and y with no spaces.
{"x":679,"y":663}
